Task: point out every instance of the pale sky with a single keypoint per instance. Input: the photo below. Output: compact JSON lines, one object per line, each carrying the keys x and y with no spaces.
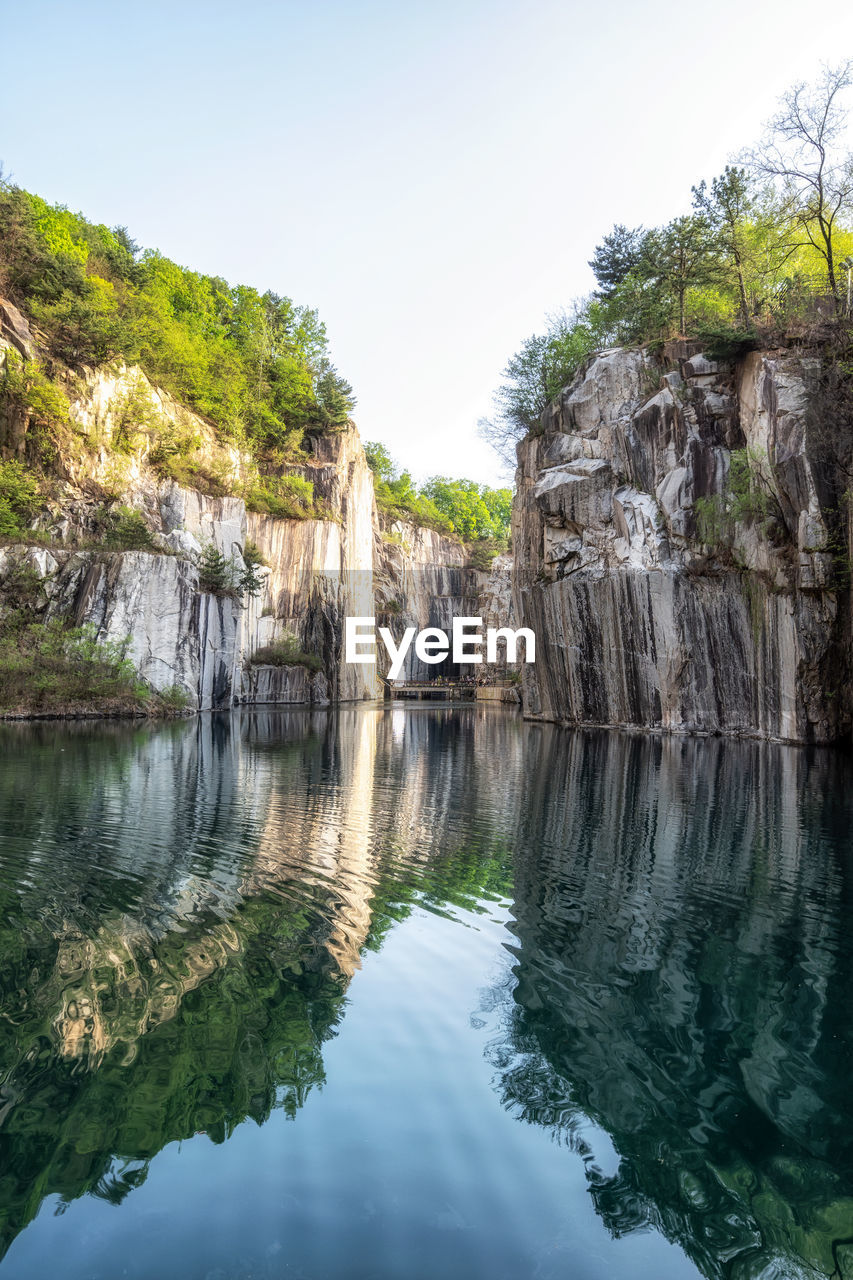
{"x":433,"y":177}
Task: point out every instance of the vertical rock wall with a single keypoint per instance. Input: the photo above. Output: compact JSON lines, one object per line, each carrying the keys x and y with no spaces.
{"x":642,"y":616}
{"x":421,"y":581}
{"x":321,"y":571}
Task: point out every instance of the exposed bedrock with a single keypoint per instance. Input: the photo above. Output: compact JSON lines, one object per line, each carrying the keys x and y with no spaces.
{"x":350,"y":561}
{"x":659,"y":600}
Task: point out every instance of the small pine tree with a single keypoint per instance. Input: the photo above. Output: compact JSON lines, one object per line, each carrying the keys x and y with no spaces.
{"x":617,"y":255}
{"x":216,"y":572}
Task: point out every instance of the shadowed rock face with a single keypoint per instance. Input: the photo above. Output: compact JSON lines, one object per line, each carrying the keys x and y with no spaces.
{"x":639,"y":622}
{"x":421,"y":581}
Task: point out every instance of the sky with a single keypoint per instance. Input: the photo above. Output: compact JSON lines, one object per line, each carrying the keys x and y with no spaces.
{"x":432,"y":177}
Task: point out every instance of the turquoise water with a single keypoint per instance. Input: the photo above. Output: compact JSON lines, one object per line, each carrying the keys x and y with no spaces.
{"x":415,"y":991}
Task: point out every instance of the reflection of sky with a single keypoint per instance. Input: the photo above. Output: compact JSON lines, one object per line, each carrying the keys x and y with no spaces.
{"x":633,"y":1039}
{"x":406,"y":1159}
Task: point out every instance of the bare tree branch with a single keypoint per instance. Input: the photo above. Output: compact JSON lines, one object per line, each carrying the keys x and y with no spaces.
{"x":799,"y":153}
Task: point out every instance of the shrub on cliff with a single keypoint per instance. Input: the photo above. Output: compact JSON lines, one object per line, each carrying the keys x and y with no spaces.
{"x":748,"y":499}
{"x":123,"y":529}
{"x":222,"y":575}
{"x":217,"y":573}
{"x":482,"y":553}
{"x":251,"y":578}
{"x":285,"y":652}
{"x":18,"y":498}
{"x":287,"y":497}
{"x":33,"y":409}
{"x":46,"y":667}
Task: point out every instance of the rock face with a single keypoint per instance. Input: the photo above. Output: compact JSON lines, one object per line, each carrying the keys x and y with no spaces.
{"x":179,"y":635}
{"x":421,"y":581}
{"x":321,"y":571}
{"x":643,"y":616}
{"x":15,"y":329}
{"x":317,"y":572}
{"x":270,"y":686}
{"x":176,"y":635}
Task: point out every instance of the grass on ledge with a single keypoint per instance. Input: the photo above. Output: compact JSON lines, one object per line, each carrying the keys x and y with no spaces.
{"x":285,"y":652}
{"x":47,"y":668}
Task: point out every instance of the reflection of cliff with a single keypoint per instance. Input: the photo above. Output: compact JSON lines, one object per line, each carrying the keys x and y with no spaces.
{"x":183,"y":911}
{"x":682,"y":961}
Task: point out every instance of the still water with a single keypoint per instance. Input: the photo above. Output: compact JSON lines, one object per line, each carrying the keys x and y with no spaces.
{"x":422,"y":991}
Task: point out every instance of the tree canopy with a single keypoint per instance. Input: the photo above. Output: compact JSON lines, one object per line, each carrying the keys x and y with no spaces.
{"x":474,"y":512}
{"x":767,"y":246}
{"x":802,"y":153}
{"x":256,"y":363}
{"x":619,"y":253}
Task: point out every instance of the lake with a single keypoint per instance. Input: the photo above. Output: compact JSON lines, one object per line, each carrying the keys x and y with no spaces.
{"x":418,"y":991}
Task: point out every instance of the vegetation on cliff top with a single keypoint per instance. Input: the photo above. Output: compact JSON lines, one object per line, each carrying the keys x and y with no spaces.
{"x":473,"y":512}
{"x":765,"y":251}
{"x":256,"y":364}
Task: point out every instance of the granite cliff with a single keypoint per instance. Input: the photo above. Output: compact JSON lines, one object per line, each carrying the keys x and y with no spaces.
{"x":681,"y":549}
{"x":680,"y":539}
{"x":346,"y":558}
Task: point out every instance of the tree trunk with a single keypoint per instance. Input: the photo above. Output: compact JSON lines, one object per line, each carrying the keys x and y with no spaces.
{"x":744,"y":305}
{"x":826,"y":232}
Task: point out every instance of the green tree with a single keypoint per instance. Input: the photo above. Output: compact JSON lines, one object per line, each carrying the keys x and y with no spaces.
{"x":473,"y":511}
{"x":804,"y":152}
{"x":466,"y":506}
{"x":18,"y":498}
{"x":379,"y":460}
{"x":256,"y":364}
{"x":679,"y":257}
{"x":731,"y":207}
{"x":619,"y":253}
{"x":334,"y":394}
{"x":499,"y":505}
{"x":538,"y":372}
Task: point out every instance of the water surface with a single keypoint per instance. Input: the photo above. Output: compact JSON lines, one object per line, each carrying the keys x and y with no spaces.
{"x":419,"y":990}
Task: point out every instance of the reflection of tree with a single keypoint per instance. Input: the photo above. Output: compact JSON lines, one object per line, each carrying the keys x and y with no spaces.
{"x":681,"y":968}
{"x":243,"y":1040}
{"x":183,"y":911}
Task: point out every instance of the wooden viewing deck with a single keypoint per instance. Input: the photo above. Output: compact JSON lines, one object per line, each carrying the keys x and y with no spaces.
{"x":431,"y":689}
